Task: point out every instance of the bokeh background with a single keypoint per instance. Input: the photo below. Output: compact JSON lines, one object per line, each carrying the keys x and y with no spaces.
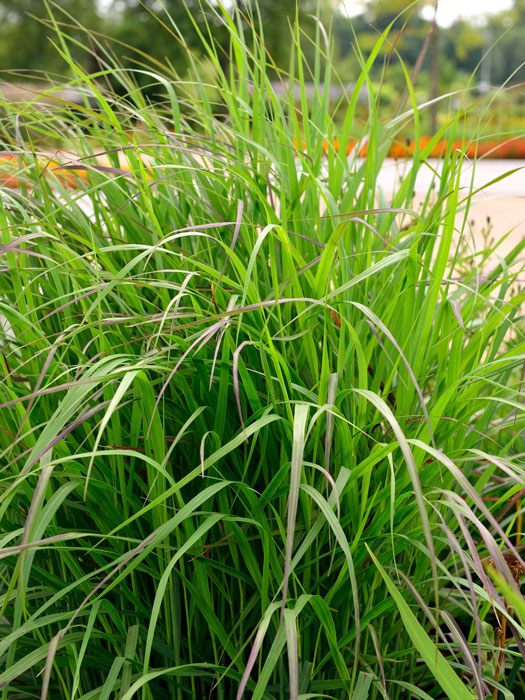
{"x":458,"y":52}
{"x":474,"y":42}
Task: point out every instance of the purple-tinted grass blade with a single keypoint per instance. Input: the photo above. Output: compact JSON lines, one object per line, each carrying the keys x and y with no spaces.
{"x":500,"y":463}
{"x":473,"y":495}
{"x":86,"y":415}
{"x":457,"y":313}
{"x":385,"y":410}
{"x":50,"y":658}
{"x":377,"y":321}
{"x":331,"y":482}
{"x":257,"y":644}
{"x":73,"y":301}
{"x":231,"y":305}
{"x":216,"y":354}
{"x":299,"y":427}
{"x":331,"y":394}
{"x":200,"y":341}
{"x":456,"y":547}
{"x":36,"y":502}
{"x":377,"y":648}
{"x":290,"y":626}
{"x":96,"y":168}
{"x":38,"y":384}
{"x":202,"y":453}
{"x":462,"y":643}
{"x":235,"y":370}
{"x":16,"y":549}
{"x":357,"y":219}
{"x":428,"y":613}
{"x":238,"y":219}
{"x":478,"y":564}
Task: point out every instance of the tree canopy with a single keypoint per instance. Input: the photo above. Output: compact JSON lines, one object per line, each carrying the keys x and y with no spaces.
{"x":166,"y":30}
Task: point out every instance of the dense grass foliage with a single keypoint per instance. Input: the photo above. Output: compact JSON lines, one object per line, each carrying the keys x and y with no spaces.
{"x":260,"y":431}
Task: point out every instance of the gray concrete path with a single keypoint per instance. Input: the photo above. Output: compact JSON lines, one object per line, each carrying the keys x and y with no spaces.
{"x":484,"y":172}
{"x":500,"y":206}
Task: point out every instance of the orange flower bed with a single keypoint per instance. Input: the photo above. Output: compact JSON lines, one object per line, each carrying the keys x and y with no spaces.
{"x":9,"y":164}
{"x":69,"y":174}
{"x":514,"y":148}
{"x":64,"y":168}
{"x":489,"y":149}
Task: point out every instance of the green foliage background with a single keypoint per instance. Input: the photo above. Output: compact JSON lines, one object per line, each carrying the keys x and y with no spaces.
{"x":25,"y":43}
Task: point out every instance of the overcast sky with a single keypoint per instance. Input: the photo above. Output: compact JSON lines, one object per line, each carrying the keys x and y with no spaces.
{"x":448,"y":10}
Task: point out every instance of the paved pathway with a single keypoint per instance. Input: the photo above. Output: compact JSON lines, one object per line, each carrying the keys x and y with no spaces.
{"x":484,"y":172}
{"x":500,"y":206}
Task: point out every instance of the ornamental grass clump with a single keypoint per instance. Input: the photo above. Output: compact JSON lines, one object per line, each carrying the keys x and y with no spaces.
{"x":258,"y":437}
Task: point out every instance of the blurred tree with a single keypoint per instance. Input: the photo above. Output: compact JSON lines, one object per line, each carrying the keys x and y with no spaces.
{"x":507,"y":54}
{"x":464,"y":42}
{"x":519,"y":11}
{"x":408,"y":44}
{"x":163,"y":31}
{"x":141,"y":21}
{"x":25,"y":43}
{"x":278,"y":19}
{"x":381,"y":12}
{"x":145,"y":26}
